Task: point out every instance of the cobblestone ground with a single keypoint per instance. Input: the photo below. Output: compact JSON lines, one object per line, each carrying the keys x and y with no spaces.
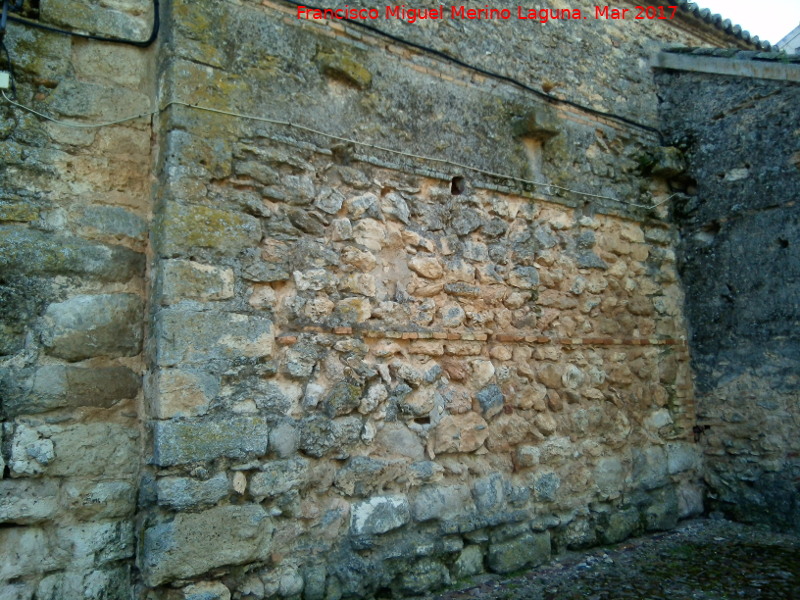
{"x":701,"y":560}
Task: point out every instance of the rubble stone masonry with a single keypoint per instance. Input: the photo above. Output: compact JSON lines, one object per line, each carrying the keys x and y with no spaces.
{"x":343,"y":317}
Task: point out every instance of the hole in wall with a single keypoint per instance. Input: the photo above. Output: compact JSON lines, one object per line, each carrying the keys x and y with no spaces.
{"x":782,"y":242}
{"x":422,"y":420}
{"x":457,"y":185}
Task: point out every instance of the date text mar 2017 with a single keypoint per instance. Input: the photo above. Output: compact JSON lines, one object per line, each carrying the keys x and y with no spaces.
{"x":411,"y":15}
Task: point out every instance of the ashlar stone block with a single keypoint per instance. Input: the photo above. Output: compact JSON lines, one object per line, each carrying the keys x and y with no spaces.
{"x":181,"y":441}
{"x":194,"y":543}
{"x":526,"y":551}
{"x":190,"y":280}
{"x":97,"y":325}
{"x":187,"y":336}
{"x":188,"y":228}
{"x":379,"y":514}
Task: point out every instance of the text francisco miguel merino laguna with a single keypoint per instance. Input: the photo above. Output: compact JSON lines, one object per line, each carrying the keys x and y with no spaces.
{"x":542,"y":15}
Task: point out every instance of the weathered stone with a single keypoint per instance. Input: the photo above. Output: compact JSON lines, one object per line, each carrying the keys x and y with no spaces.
{"x":88,"y":326}
{"x":206,"y":590}
{"x":524,"y":278}
{"x":358,"y":283}
{"x":182,"y":493}
{"x":329,"y":201}
{"x":442,"y":501}
{"x":56,"y":386}
{"x":465,"y":221}
{"x":189,"y":280}
{"x":314,"y":583}
{"x":462,"y":290}
{"x":418,"y":402}
{"x":468,"y":563}
{"x":489,"y":493}
{"x":546,"y":423}
{"x":491,"y":399}
{"x":344,"y":398}
{"x":194,"y":543}
{"x":320,"y":436}
{"x":89,"y":449}
{"x":379,"y":514}
{"x":662,"y":514}
{"x":452,"y":315}
{"x":545,"y":486}
{"x":590,"y":260}
{"x":178,"y":442}
{"x":185,"y":336}
{"x":277,"y":477}
{"x":84,"y":99}
{"x":426,"y":574}
{"x":527,"y":456}
{"x":88,"y":499}
{"x":681,"y":457}
{"x":532,"y":396}
{"x":182,"y":393}
{"x":345,"y":67}
{"x":29,"y":551}
{"x":362,"y":476}
{"x":394,"y":205}
{"x":666,"y":161}
{"x":572,"y":377}
{"x":24,"y":501}
{"x":353,"y":310}
{"x":527,"y":551}
{"x":482,"y":372}
{"x":376,"y":394}
{"x":429,"y":267}
{"x":306,"y":222}
{"x":396,"y":438}
{"x":187,"y":228}
{"x":620,"y":525}
{"x":649,"y":467}
{"x":341,"y":230}
{"x":609,"y":476}
{"x":460,"y":433}
{"x":690,"y":500}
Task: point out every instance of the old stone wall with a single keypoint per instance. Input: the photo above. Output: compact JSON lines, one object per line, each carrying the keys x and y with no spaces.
{"x":741,"y":138}
{"x":74,"y":209}
{"x":344,"y":317}
{"x":373,"y":372}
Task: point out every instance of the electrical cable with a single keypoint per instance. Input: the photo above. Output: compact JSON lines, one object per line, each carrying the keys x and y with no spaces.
{"x":99,"y":38}
{"x":491,"y":74}
{"x":332,"y":136}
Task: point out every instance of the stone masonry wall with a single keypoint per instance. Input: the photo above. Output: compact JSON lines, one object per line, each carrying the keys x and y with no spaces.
{"x":371,"y":372}
{"x":74,"y":208}
{"x":246,"y":359}
{"x":742,"y":138}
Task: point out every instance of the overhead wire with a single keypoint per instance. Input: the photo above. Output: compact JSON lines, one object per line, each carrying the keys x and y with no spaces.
{"x":99,"y":38}
{"x":307,"y":129}
{"x":491,"y":74}
{"x":154,"y":35}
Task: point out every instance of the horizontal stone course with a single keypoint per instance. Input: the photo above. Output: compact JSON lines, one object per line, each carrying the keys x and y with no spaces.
{"x":36,"y":253}
{"x":58,"y":386}
{"x":190,"y":336}
{"x":189,"y":440}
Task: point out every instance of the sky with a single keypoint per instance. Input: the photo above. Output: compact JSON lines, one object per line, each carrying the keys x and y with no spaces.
{"x":770,"y":20}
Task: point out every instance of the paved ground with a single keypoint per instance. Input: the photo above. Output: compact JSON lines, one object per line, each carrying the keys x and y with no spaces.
{"x":701,"y":560}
